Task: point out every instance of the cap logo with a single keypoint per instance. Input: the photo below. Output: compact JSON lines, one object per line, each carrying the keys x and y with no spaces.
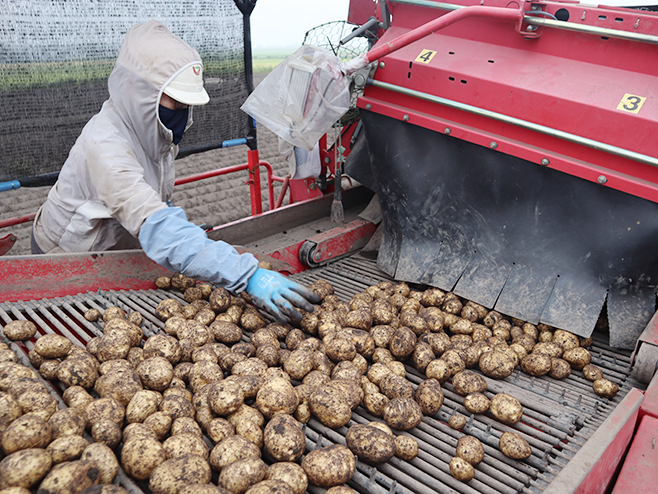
{"x":196,"y":69}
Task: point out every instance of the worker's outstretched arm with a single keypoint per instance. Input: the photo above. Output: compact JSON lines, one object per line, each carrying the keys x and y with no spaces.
{"x":172,"y":241}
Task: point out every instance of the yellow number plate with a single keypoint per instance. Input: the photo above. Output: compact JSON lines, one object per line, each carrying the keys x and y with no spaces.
{"x":631,"y":103}
{"x":425,"y":56}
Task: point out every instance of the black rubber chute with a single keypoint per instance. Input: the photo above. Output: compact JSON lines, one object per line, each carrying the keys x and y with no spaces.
{"x":530,"y":241}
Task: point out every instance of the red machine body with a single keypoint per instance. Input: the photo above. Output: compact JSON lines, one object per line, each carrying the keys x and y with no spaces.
{"x":604,"y":90}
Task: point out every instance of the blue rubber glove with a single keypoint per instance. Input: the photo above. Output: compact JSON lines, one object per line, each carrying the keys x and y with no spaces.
{"x":273,"y":292}
{"x":172,"y":241}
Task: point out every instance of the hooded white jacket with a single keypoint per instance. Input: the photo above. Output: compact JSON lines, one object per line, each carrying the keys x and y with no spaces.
{"x":120,"y":170}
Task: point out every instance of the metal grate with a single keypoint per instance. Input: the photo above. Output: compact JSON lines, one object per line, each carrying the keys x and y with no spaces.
{"x":559,"y":416}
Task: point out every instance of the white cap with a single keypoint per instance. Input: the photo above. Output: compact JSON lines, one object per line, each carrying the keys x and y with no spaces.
{"x":187,"y":87}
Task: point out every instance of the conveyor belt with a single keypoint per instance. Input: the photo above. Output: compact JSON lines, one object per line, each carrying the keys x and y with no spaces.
{"x":559,"y":416}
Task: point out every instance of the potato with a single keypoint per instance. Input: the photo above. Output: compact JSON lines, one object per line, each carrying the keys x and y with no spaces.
{"x":169,"y":476}
{"x":394,"y":386}
{"x":467,"y":382}
{"x":241,"y":474}
{"x":429,"y":396}
{"x":24,"y":468}
{"x":329,"y":466}
{"x":246,"y":413}
{"x":592,"y":372}
{"x":20,"y":330}
{"x":346,"y":370}
{"x":470,"y":449}
{"x":438,"y":369}
{"x":250,"y":431}
{"x":506,"y":408}
{"x":329,"y":407}
{"x":137,"y":430}
{"x":162,"y":345}
{"x":92,"y":315}
{"x":514,"y":446}
{"x":370,"y":444}
{"x":276,"y":396}
{"x":496,"y":364}
{"x":120,"y":384}
{"x":10,"y":410}
{"x":10,"y":372}
{"x":403,"y":343}
{"x":52,"y":346}
{"x":142,"y":404}
{"x":560,"y":368}
{"x":270,"y":487}
{"x":193,"y":330}
{"x":69,"y":478}
{"x":351,"y":391}
{"x":113,"y":346}
{"x":231,"y":449}
{"x":461,"y":469}
{"x":28,"y":431}
{"x":536,"y":364}
{"x":457,"y":421}
{"x":141,"y":455}
{"x":120,"y":325}
{"x":104,"y":460}
{"x":180,"y":445}
{"x":67,"y":448}
{"x":106,"y":431}
{"x":476,"y":403}
{"x":177,"y":406}
{"x":204,"y":372}
{"x":454,"y":360}
{"x":402,"y":413}
{"x":605,"y":387}
{"x":186,"y":425}
{"x":202,"y":489}
{"x":290,"y":473}
{"x":105,"y":489}
{"x":77,"y":397}
{"x":578,"y":357}
{"x":284,"y":439}
{"x":565,"y":339}
{"x":375,"y":403}
{"x":38,"y":402}
{"x":225,"y":397}
{"x":299,"y":364}
{"x":66,"y":422}
{"x":219,"y":429}
{"x":406,"y":447}
{"x":104,"y":408}
{"x":340,"y":349}
{"x":75,"y":371}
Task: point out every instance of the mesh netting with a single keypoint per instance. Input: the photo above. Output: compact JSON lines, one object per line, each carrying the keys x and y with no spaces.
{"x":56,"y":56}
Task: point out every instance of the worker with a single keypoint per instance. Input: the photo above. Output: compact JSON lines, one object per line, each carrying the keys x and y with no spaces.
{"x":113,"y":190}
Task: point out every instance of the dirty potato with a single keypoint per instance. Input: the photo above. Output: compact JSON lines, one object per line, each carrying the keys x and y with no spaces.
{"x":284,"y":439}
{"x":536,"y":364}
{"x":24,"y":468}
{"x":429,"y":396}
{"x":104,"y":459}
{"x":171,"y":475}
{"x":28,"y":431}
{"x":70,"y":478}
{"x":290,"y":473}
{"x":592,"y":372}
{"x":370,"y":444}
{"x":514,"y":446}
{"x":506,"y":408}
{"x":467,"y":382}
{"x":329,"y":466}
{"x":496,"y":364}
{"x":402,"y":413}
{"x":476,"y":403}
{"x":470,"y":449}
{"x":605,"y":387}
{"x":329,"y":407}
{"x":20,"y":330}
{"x":461,"y":470}
{"x":231,"y":449}
{"x":240,"y":475}
{"x":141,"y":455}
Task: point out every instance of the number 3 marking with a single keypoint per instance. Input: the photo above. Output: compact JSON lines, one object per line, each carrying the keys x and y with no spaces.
{"x":631,"y":103}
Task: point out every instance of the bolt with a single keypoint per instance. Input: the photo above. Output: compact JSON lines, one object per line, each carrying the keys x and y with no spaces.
{"x":313,"y":186}
{"x":405,"y":118}
{"x":317,"y":256}
{"x":368,"y":106}
{"x":493,"y":145}
{"x":601,"y":179}
{"x":447,"y":130}
{"x":545,"y":161}
{"x":327,"y":159}
{"x":382,"y":65}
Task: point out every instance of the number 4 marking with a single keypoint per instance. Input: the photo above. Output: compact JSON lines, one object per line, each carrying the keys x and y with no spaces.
{"x":631,"y":103}
{"x":425,"y":56}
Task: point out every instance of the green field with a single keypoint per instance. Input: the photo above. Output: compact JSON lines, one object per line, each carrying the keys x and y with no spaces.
{"x":263,"y":61}
{"x":36,"y":75}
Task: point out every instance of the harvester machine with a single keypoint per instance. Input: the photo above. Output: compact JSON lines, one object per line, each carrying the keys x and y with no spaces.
{"x":512,"y":146}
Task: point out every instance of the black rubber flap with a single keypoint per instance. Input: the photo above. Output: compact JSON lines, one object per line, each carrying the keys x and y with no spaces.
{"x":529,"y":241}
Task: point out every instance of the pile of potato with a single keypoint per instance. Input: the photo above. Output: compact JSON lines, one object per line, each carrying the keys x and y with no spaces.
{"x":197,"y":410}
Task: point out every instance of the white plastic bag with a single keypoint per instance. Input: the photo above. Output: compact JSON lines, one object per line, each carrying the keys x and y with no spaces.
{"x":302,"y":97}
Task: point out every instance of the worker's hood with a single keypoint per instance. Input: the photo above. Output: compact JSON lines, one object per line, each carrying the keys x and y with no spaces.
{"x":150,"y":57}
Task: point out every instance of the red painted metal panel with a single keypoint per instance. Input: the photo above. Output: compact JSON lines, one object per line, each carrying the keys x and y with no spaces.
{"x":592,"y":470}
{"x":570,"y":81}
{"x":639,"y":473}
{"x":650,"y":403}
{"x":36,"y":277}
